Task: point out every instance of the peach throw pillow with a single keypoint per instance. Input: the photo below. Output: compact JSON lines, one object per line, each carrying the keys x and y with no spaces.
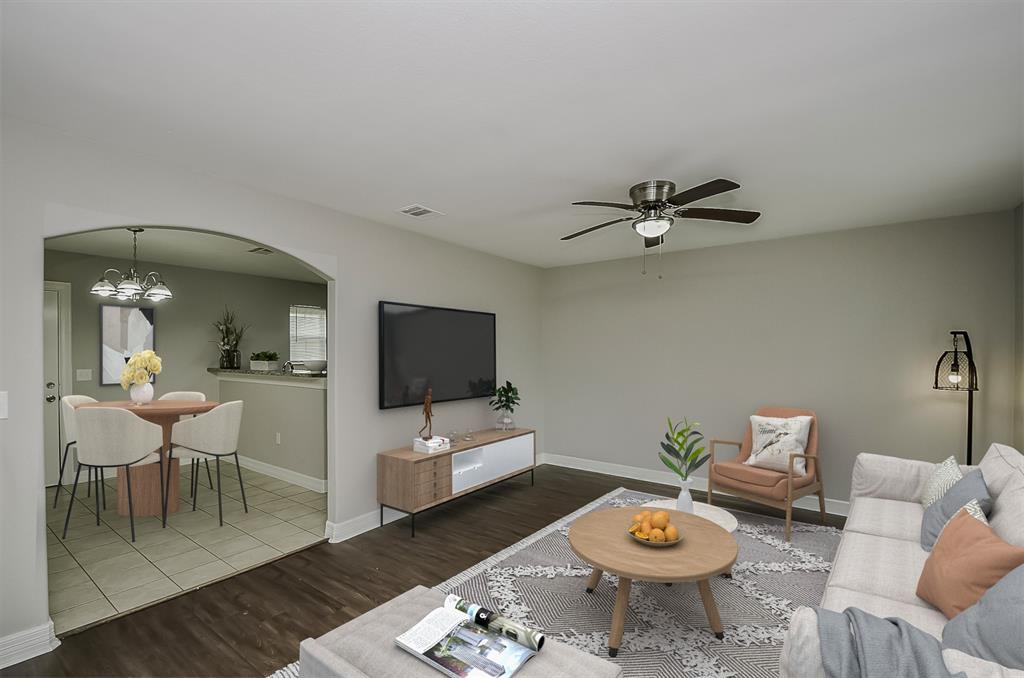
{"x":968,"y":559}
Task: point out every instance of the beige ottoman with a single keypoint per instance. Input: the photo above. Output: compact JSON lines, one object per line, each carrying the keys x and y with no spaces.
{"x":365,"y":647}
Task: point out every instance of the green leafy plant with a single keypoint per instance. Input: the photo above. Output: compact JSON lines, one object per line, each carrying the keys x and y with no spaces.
{"x":681,"y":452}
{"x":270,"y":356}
{"x":230,"y":333}
{"x":505,"y":398}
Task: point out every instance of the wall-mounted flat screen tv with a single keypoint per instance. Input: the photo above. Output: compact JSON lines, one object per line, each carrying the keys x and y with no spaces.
{"x":445,"y":349}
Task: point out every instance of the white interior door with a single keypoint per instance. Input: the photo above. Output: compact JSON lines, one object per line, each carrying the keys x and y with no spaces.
{"x":51,"y":384}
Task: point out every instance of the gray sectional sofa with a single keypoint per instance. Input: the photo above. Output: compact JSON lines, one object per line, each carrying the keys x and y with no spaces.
{"x":880,"y":557}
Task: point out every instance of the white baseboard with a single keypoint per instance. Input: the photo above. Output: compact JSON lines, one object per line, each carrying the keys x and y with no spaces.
{"x":347,"y":529}
{"x":17,"y":647}
{"x":835,"y":506}
{"x":287,"y":475}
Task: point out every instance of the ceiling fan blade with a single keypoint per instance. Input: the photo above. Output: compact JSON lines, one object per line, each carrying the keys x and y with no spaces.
{"x":619,"y":205}
{"x":653,"y":242}
{"x":713,"y":187}
{"x":718,"y":214}
{"x":594,"y":228}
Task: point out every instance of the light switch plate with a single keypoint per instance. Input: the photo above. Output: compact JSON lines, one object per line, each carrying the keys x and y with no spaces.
{"x":3,"y":404}
{"x":83,"y":375}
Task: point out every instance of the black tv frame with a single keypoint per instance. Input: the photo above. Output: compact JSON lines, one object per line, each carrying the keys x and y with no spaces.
{"x":380,"y":352}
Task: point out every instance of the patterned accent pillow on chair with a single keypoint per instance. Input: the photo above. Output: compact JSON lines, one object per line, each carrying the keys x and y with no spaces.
{"x":774,"y":439}
{"x":945,"y":476}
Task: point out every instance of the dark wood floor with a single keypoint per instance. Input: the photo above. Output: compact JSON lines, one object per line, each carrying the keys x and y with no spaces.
{"x":251,"y":624}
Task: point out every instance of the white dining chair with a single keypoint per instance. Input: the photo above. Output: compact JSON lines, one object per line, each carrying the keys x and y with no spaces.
{"x":190,"y":395}
{"x":67,"y":415}
{"x":211,"y":435}
{"x":110,"y":437}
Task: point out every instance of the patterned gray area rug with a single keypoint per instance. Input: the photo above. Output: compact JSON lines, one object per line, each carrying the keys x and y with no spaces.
{"x":541,"y":582}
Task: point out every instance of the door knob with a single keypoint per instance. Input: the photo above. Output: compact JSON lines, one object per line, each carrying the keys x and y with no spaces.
{"x":51,"y":398}
{"x":50,"y":384}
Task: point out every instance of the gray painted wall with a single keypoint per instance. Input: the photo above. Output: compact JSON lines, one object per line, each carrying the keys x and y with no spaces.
{"x":297,"y":413}
{"x":183,"y":324}
{"x":849,"y":324}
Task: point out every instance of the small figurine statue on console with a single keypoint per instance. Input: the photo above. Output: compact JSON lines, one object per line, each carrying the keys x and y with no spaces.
{"x":428,"y":415}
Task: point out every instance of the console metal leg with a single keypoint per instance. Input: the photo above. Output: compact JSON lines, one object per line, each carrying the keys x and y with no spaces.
{"x":413,"y":515}
{"x":382,"y":515}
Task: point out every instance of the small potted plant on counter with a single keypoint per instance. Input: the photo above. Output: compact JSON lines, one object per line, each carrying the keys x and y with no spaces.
{"x":264,"y":361}
{"x":505,"y":401}
{"x":230,"y":337}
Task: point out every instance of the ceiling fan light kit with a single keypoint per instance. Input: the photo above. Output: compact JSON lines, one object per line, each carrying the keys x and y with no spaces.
{"x":653,"y":199}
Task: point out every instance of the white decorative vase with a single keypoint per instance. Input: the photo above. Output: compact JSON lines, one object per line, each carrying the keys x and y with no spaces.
{"x":685,"y":502}
{"x":505,"y":422}
{"x":141,"y":395}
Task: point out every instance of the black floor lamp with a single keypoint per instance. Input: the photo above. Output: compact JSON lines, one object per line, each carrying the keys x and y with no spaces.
{"x":956,"y":371}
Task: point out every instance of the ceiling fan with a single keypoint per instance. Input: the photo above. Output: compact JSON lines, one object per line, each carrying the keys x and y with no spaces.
{"x":657,"y":203}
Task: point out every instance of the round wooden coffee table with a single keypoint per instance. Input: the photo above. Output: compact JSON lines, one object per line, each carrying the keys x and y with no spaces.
{"x":601,"y":539}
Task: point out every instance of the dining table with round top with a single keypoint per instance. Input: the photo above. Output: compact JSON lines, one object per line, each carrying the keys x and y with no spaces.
{"x":146,"y":494}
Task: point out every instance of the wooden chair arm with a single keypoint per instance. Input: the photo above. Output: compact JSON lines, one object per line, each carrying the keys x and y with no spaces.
{"x":806,"y":457}
{"x":715,"y":441}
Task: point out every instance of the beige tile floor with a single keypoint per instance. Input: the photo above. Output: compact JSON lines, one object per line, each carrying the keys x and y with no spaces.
{"x":97,"y":572}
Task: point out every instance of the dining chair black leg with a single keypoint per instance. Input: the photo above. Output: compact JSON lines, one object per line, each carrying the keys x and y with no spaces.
{"x":88,"y":485}
{"x":191,"y":477}
{"x":60,"y":474}
{"x":167,"y":491}
{"x":74,"y":488}
{"x":195,"y":485}
{"x":163,"y":496}
{"x":241,"y":486}
{"x":131,"y":510}
{"x":103,"y":487}
{"x":220,"y":506}
{"x":97,"y":483}
{"x":208,"y":473}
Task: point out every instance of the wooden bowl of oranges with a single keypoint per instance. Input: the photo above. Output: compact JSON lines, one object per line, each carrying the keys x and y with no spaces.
{"x":654,"y":529}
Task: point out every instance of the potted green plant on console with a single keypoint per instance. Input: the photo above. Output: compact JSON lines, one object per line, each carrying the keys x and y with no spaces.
{"x":682,"y":456}
{"x":505,"y":401}
{"x":263,"y":361}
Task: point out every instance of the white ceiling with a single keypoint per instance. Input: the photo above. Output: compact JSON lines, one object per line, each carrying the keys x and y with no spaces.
{"x":186,"y":248}
{"x":831,"y":114}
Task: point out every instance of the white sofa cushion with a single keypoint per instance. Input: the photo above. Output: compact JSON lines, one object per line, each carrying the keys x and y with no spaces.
{"x":1000,"y":465}
{"x":1007,"y":517}
{"x":976,"y":668}
{"x":881,"y":566}
{"x":928,"y":619}
{"x":886,"y":518}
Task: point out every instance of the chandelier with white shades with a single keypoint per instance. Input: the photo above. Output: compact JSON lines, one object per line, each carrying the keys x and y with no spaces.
{"x":129,"y":286}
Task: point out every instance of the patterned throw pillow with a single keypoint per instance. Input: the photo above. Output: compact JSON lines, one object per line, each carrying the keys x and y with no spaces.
{"x":969,"y":492}
{"x":942,"y":478}
{"x":775,"y":439}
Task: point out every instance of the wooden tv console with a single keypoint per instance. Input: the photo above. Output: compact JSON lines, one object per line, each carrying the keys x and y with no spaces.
{"x":414,"y":482}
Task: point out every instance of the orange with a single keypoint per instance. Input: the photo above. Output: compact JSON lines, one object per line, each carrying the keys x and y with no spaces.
{"x":657,"y":535}
{"x":671,"y":533}
{"x":638,"y":518}
{"x":660,"y":520}
{"x":646,"y":525}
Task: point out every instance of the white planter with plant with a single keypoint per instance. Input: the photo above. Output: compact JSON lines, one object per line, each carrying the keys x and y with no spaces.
{"x":264,"y":361}
{"x":137,"y":375}
{"x":683,"y":456}
{"x":505,"y":401}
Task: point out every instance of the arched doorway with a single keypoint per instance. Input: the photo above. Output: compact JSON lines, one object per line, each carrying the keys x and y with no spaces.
{"x":97,"y":571}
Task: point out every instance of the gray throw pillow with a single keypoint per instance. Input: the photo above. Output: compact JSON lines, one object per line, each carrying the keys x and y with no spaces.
{"x":971,"y":486}
{"x":991,"y":629}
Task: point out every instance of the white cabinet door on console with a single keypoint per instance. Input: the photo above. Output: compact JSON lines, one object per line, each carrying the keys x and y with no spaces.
{"x":507,"y":456}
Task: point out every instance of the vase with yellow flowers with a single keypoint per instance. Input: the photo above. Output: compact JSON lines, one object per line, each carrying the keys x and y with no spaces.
{"x":137,"y":374}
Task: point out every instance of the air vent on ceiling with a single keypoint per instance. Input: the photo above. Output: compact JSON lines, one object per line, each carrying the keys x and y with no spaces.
{"x":260,"y":250}
{"x":420,"y":212}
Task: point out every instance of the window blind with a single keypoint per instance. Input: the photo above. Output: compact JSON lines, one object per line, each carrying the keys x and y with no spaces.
{"x":307,"y":334}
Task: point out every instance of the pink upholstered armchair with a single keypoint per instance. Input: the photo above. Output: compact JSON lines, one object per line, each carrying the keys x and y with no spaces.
{"x":772,"y":488}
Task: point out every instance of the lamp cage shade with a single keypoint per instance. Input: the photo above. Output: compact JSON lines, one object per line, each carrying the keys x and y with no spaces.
{"x":955,"y":371}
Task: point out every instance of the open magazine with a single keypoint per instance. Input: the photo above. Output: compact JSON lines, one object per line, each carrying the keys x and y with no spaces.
{"x":463,"y":640}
